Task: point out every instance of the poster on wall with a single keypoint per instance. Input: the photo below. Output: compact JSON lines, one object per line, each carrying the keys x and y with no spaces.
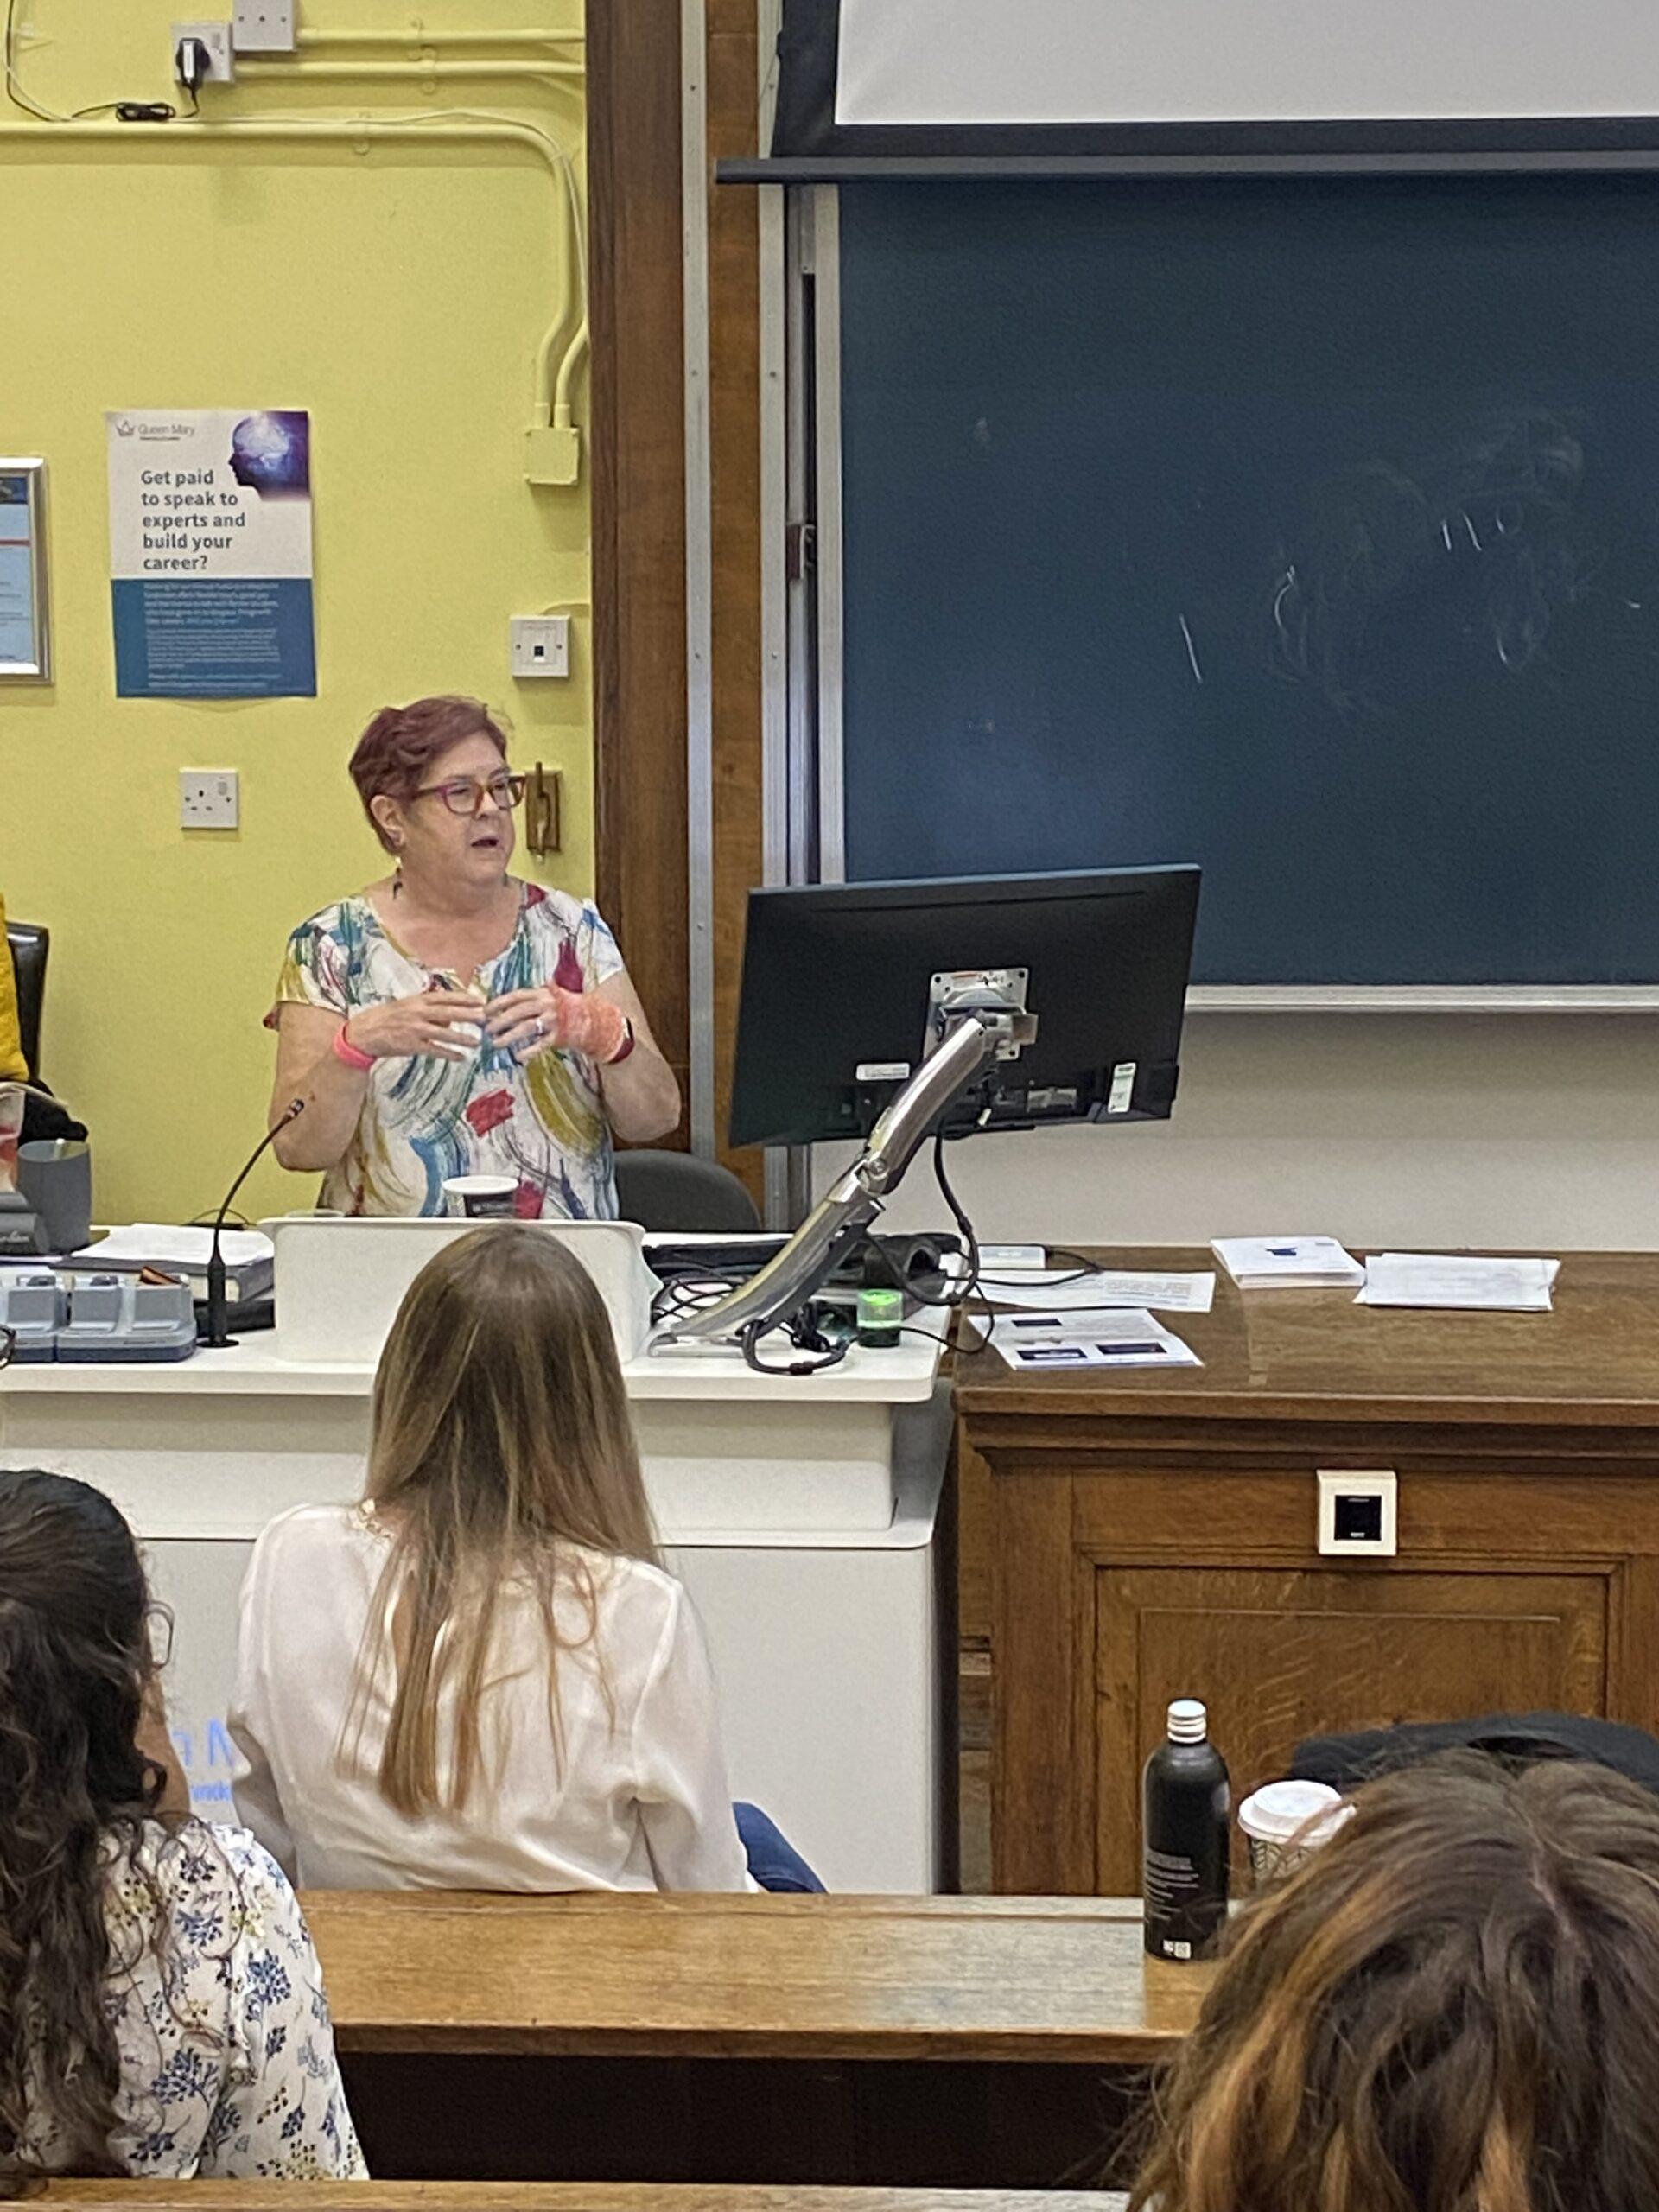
{"x":210,"y":553}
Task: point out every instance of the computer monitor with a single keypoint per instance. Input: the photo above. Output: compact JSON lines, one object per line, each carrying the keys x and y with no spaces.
{"x":843,"y":998}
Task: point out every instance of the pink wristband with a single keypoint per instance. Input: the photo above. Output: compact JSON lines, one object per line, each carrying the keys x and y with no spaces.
{"x":345,"y":1052}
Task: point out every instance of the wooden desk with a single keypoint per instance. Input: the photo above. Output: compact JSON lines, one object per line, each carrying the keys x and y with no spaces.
{"x":728,"y":2039}
{"x":1154,"y":1535}
{"x":986,"y":1979}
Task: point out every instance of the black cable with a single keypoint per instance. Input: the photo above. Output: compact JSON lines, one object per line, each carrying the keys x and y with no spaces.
{"x":969,"y":1285}
{"x":807,"y":1339}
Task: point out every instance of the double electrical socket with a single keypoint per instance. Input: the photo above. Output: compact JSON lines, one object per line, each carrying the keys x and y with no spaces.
{"x":209,"y":798}
{"x":258,"y":27}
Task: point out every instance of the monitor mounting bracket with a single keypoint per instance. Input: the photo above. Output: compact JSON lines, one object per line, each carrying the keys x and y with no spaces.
{"x":976,"y":1018}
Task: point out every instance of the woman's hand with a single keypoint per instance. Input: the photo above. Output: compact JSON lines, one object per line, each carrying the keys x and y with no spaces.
{"x":551,"y":1018}
{"x":430,"y":1025}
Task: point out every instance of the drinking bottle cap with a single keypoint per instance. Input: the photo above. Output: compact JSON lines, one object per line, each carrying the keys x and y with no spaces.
{"x":1188,"y":1721}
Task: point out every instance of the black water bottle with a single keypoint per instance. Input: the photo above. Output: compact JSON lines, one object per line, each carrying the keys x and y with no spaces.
{"x":1186,"y":1817}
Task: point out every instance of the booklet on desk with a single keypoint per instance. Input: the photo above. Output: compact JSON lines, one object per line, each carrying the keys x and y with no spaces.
{"x":1288,"y":1262}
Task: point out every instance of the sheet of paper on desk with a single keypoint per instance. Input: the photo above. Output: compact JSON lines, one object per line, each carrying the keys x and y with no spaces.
{"x":1112,"y":1337}
{"x":1429,"y":1279}
{"x":1069,"y":1292}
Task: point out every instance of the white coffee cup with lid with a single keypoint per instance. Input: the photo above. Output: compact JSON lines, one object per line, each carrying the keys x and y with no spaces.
{"x":1284,"y":1821}
{"x":480,"y":1197}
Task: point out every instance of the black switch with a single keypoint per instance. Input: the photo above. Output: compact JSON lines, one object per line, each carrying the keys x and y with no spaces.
{"x":1359,"y":1520}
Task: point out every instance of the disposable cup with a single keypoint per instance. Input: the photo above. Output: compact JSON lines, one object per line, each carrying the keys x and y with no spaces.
{"x":480,"y":1197}
{"x":1285,"y":1822}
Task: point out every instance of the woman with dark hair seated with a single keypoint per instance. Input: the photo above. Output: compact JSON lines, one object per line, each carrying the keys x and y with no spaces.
{"x":1451,"y":2007}
{"x":451,"y":1019}
{"x":161,"y":2008}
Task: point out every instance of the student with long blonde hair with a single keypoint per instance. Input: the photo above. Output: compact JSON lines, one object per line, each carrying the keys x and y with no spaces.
{"x":1450,"y":2008}
{"x":480,"y":1677}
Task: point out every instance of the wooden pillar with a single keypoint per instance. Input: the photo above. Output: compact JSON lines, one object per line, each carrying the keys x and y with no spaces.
{"x":639,"y":500}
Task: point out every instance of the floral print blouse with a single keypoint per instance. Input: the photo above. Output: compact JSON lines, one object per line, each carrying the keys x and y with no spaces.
{"x":227,"y":2056}
{"x":543,"y":1124}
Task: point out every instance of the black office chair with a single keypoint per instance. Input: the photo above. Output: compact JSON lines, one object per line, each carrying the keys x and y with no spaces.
{"x":29,"y":945}
{"x":677,"y":1192}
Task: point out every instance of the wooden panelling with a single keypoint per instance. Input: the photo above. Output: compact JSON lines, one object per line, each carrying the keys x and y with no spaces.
{"x":639,"y":536}
{"x":1042,"y":1695}
{"x":1277,"y":1656}
{"x":734,"y":362}
{"x":639,"y":499}
{"x":1158,"y":1532}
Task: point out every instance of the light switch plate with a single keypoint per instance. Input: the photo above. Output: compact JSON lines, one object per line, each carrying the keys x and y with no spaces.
{"x":209,"y":798}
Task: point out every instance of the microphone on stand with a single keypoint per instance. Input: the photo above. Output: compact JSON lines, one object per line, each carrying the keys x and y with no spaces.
{"x":218,"y":1334}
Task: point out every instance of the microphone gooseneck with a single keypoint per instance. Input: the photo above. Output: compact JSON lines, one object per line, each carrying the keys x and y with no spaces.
{"x":218,"y":1332}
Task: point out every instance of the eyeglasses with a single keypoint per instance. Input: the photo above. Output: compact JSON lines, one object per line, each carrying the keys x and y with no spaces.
{"x":8,"y":1345}
{"x":159,"y":1622}
{"x":465,"y":795}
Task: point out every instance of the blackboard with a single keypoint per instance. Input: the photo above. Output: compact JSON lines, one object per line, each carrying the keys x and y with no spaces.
{"x":1307,"y":529}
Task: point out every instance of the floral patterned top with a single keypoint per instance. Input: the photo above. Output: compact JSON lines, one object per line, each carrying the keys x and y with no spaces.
{"x":423,"y":1119}
{"x":227,"y":2056}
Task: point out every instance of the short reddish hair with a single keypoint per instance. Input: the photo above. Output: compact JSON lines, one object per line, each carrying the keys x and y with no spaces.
{"x":396,"y":751}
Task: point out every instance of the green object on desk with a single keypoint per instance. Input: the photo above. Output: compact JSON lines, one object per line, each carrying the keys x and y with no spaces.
{"x":880,"y":1314}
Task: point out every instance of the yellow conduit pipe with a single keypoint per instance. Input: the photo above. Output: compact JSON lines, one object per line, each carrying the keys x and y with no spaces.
{"x":359,"y":133}
{"x":417,"y":35}
{"x":414,"y":71}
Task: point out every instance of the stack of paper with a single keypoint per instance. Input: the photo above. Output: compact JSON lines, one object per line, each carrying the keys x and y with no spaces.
{"x":1288,"y":1262}
{"x":248,"y":1255}
{"x":1129,"y":1338}
{"x":1069,"y":1291}
{"x":1507,"y":1286}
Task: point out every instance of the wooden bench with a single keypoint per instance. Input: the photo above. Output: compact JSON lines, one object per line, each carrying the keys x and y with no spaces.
{"x":992,"y":1979}
{"x":765,"y":2040}
{"x":559,"y":2197}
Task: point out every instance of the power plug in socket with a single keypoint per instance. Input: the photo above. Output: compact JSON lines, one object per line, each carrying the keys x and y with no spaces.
{"x":209,"y":798}
{"x":216,"y":44}
{"x":264,"y":27}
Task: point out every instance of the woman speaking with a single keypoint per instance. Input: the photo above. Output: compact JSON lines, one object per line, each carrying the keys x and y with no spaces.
{"x":451,"y":1019}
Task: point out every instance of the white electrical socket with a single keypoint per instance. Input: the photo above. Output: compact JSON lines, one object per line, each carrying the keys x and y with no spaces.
{"x":265,"y":26}
{"x":209,"y":798}
{"x":216,"y":40}
{"x":541,"y":645}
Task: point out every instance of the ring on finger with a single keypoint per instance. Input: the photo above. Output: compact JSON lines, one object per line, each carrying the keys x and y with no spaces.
{"x":541,"y":1028}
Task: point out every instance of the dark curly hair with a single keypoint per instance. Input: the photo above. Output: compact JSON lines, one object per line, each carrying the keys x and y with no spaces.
{"x":74,"y":1668}
{"x":1449,"y":2008}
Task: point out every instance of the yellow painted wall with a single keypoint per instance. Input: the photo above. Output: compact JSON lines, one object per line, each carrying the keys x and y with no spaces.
{"x":399,"y":295}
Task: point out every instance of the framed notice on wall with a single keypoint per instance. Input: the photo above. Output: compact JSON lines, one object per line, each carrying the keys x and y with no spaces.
{"x":25,"y":634}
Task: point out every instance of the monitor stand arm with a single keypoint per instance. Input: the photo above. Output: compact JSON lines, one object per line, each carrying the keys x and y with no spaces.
{"x":854,"y":1199}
